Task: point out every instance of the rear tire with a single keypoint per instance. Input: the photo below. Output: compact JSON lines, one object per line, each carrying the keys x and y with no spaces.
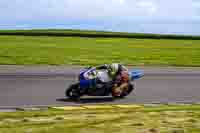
{"x":73,"y":92}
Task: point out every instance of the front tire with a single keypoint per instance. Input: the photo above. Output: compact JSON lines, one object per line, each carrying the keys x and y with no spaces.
{"x":73,"y":92}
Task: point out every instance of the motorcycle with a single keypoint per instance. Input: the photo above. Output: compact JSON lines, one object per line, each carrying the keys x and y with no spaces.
{"x":91,"y":88}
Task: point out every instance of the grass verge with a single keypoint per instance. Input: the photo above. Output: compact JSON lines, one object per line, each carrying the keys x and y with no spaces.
{"x":148,"y":119}
{"x":29,"y":50}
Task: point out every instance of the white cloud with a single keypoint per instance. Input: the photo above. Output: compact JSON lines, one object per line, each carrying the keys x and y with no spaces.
{"x":81,"y":9}
{"x":149,"y":6}
{"x":121,"y":1}
{"x":23,"y":9}
{"x":117,"y":12}
{"x":111,"y":8}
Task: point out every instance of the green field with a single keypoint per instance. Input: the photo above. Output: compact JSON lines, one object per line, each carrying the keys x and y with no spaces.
{"x":24,"y":50}
{"x":150,"y":119}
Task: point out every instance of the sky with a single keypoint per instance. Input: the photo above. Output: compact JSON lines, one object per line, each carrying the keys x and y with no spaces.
{"x":143,"y":16}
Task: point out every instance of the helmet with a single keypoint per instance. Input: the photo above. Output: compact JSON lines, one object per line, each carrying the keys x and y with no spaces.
{"x":113,"y":69}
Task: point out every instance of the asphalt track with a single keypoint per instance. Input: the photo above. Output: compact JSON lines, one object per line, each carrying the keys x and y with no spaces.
{"x":36,"y":86}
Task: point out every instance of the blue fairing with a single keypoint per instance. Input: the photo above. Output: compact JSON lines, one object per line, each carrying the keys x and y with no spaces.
{"x":84,"y":83}
{"x":136,"y":74}
{"x":81,"y":77}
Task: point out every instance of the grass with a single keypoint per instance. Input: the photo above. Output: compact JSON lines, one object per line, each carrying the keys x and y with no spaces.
{"x":31,"y":50}
{"x":152,"y":119}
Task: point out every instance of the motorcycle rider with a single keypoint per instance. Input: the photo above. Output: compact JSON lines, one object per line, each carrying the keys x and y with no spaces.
{"x":116,"y":72}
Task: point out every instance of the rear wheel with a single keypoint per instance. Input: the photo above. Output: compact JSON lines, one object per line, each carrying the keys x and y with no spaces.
{"x":73,"y":92}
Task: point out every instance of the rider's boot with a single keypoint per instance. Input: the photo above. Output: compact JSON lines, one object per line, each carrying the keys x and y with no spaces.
{"x":118,"y":90}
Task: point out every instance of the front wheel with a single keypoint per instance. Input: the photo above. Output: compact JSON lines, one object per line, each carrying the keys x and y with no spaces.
{"x":73,"y":92}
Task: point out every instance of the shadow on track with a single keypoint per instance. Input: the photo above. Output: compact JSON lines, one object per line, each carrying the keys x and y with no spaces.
{"x":88,"y":100}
